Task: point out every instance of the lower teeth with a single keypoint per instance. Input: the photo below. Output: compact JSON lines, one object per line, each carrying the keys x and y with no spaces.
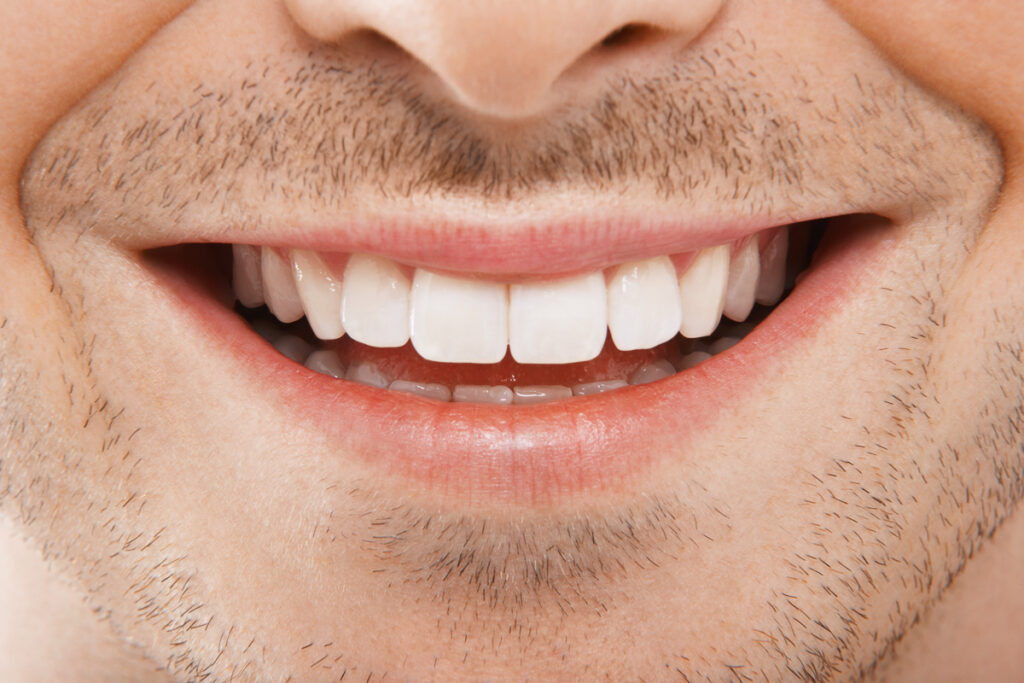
{"x":690,"y":352}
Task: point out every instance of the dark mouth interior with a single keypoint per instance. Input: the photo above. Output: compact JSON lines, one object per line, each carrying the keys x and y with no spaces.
{"x":209,"y":267}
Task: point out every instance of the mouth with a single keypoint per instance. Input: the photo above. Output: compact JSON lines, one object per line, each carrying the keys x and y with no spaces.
{"x":529,"y":385}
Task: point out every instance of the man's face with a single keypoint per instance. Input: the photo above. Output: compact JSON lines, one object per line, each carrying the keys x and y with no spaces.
{"x":788,"y":507}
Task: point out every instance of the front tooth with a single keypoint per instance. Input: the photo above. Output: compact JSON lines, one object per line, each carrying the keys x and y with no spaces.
{"x":540,"y":394}
{"x":644,"y":308}
{"x":772,"y":282}
{"x":320,"y":293}
{"x":467,"y":393}
{"x":743,"y":274}
{"x":367,"y":373}
{"x":438,"y":392}
{"x":246,"y":276}
{"x":702,"y":291}
{"x":598,"y":387}
{"x":375,"y":301}
{"x":455,"y":320}
{"x":564,"y":321}
{"x":652,"y":372}
{"x":326,"y":363}
{"x":279,"y":286}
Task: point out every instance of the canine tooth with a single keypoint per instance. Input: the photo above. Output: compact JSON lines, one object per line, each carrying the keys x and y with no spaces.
{"x":326,"y":363}
{"x":743,"y":274}
{"x":722,"y":344}
{"x":279,"y":286}
{"x":468,"y":393}
{"x":293,"y":347}
{"x":246,"y":276}
{"x":598,"y":387}
{"x":375,"y":301}
{"x":320,"y":293}
{"x":438,"y":392}
{"x":367,"y":373}
{"x":772,"y":282}
{"x":702,"y":291}
{"x":564,"y":321}
{"x":540,"y":394}
{"x":691,"y":359}
{"x":456,"y":320}
{"x":652,"y":372}
{"x":644,"y":308}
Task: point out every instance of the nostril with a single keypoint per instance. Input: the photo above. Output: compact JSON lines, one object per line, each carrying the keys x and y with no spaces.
{"x":626,"y":35}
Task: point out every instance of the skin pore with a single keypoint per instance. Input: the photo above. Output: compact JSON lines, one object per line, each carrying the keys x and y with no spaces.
{"x":212,"y":533}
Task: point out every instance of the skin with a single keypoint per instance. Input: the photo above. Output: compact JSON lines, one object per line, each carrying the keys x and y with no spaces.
{"x":859,"y":509}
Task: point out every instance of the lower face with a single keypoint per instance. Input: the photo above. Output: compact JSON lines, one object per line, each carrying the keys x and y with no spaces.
{"x":790,"y":504}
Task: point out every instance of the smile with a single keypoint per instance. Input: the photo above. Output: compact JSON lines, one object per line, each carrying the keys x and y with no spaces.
{"x":525,"y":387}
{"x":659,"y":306}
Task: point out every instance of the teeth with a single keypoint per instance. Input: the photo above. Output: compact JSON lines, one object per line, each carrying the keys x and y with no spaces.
{"x":320,"y":293}
{"x":772,"y":282}
{"x":367,"y":373}
{"x":326,"y":363}
{"x":456,"y":320}
{"x":558,"y":322}
{"x":644,"y":308}
{"x":438,"y":392}
{"x":652,"y":372}
{"x":375,"y":301}
{"x":279,"y":286}
{"x":464,"y":320}
{"x":691,"y":359}
{"x":246,"y":276}
{"x":743,"y":274}
{"x":465,"y":393}
{"x":540,"y":394}
{"x":293,"y":347}
{"x":598,"y":387}
{"x":702,"y":291}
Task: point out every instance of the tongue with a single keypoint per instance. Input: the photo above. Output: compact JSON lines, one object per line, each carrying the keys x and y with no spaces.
{"x":405,"y":363}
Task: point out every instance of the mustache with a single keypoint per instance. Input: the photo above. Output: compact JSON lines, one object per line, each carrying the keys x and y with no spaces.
{"x":323,"y":130}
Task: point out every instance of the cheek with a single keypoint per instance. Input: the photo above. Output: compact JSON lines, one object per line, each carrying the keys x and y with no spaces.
{"x":970,"y":51}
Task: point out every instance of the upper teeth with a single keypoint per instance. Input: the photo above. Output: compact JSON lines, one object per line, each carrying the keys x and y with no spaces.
{"x":463,"y":320}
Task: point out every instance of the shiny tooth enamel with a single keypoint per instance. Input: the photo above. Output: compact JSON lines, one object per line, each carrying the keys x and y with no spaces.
{"x":772,"y":282}
{"x":326,"y":363}
{"x":468,"y":393}
{"x":320,"y":293}
{"x":246,"y":277}
{"x":702,"y":291}
{"x":644,"y":307}
{"x":598,"y":387}
{"x":279,"y":286}
{"x":528,"y":395}
{"x":561,"y":321}
{"x":438,"y":392}
{"x":458,"y":320}
{"x":367,"y":373}
{"x":375,"y":301}
{"x":652,"y":372}
{"x":744,"y":270}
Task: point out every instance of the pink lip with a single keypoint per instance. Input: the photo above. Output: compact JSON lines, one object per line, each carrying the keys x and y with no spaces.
{"x":533,"y":455}
{"x":502,"y":249}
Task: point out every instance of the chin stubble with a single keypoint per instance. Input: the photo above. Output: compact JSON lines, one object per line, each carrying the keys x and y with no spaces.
{"x":65,"y":461}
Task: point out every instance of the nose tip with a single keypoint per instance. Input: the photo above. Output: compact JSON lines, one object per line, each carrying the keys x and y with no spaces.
{"x":499,"y":58}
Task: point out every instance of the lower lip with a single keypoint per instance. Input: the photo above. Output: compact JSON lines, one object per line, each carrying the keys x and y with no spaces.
{"x":537,"y":454}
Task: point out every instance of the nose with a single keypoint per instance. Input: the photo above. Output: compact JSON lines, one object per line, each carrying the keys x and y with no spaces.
{"x":507,"y":58}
